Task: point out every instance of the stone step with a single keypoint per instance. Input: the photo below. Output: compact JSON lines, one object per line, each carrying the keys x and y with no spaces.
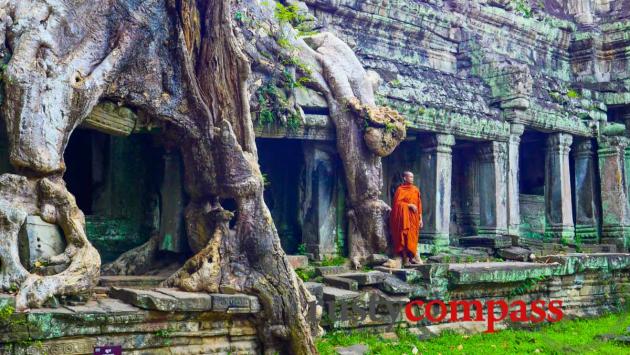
{"x":331,"y":270}
{"x":393,"y":285}
{"x":486,"y":241}
{"x":131,"y":281}
{"x":461,"y":258}
{"x":406,"y":275}
{"x":365,"y":278}
{"x":337,"y":294}
{"x":298,"y":261}
{"x":341,"y":282}
{"x":515,"y":253}
{"x":170,"y":299}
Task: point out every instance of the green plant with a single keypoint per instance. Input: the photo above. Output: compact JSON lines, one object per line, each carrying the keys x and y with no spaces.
{"x":166,"y":335}
{"x":305,"y":274}
{"x":573,"y":94}
{"x":334,"y":261}
{"x":523,"y":8}
{"x":301,"y":249}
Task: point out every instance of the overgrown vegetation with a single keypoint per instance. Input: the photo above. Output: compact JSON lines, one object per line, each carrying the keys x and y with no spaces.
{"x":576,"y":336}
{"x":306,"y":274}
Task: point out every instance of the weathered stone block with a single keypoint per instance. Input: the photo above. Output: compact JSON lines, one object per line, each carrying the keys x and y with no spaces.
{"x":39,"y":240}
{"x":336,"y":294}
{"x":394,"y":285}
{"x":164,"y":299}
{"x":239,"y":303}
{"x":365,"y":278}
{"x":514,"y":253}
{"x":316,"y":289}
{"x":341,"y":282}
{"x":330,"y":270}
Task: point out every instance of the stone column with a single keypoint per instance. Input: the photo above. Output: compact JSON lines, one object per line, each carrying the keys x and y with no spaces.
{"x":172,"y":224}
{"x":514,"y":213}
{"x":558,"y":209}
{"x":469,"y":196}
{"x":586,"y":197}
{"x":318,"y":201}
{"x":493,"y":189}
{"x":614,"y":191}
{"x":435,"y":189}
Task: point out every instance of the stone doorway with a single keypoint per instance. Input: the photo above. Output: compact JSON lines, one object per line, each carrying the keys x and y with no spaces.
{"x":118,"y":183}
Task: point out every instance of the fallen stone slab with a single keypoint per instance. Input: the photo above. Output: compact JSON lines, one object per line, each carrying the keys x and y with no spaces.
{"x":160,"y":301}
{"x":330,"y":270}
{"x":499,"y":272}
{"x":298,"y":261}
{"x":365,"y":278}
{"x":341,"y":282}
{"x":358,"y":349}
{"x":337,"y":294}
{"x":515,"y":253}
{"x":393,"y":285}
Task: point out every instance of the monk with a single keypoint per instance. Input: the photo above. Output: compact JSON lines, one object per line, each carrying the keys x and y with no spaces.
{"x":405,"y":220}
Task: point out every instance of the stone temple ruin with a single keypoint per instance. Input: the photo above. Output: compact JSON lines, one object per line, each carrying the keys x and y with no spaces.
{"x":518,"y":132}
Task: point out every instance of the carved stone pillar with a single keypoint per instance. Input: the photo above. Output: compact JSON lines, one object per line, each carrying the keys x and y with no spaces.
{"x":558,"y":209}
{"x":514,"y":213}
{"x":435,"y":189}
{"x":493,"y":188}
{"x":586,"y":194}
{"x":614,"y":191}
{"x":318,"y":201}
{"x":469,"y":196}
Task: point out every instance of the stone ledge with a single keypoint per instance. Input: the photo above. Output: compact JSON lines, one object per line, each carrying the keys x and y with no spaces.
{"x":167,"y":300}
{"x":499,"y":272}
{"x":577,"y":262}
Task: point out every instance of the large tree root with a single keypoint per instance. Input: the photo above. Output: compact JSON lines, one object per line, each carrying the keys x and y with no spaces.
{"x":365,"y":133}
{"x":135,"y":261}
{"x":20,"y":197}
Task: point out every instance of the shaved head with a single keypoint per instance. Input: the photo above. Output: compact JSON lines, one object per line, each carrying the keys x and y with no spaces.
{"x":407,"y":177}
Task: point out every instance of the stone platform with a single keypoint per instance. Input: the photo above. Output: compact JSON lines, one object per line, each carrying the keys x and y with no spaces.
{"x":587,"y":284}
{"x":142,"y":321}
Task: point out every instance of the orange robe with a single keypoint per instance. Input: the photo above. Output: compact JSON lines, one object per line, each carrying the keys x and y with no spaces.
{"x":404,"y":224}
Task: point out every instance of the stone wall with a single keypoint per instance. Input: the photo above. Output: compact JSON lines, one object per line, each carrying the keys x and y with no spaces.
{"x":587,"y":284}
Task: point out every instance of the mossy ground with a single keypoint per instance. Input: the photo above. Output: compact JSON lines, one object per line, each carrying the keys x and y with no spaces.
{"x":565,"y":337}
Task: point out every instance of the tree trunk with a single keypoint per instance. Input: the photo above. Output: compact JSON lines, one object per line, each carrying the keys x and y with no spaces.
{"x":186,"y":65}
